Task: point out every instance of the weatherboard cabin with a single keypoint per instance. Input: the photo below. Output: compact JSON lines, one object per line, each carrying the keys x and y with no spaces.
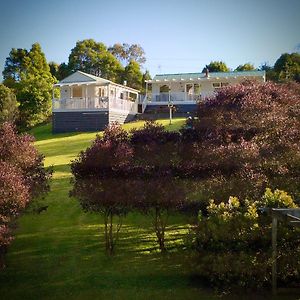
{"x":184,"y":90}
{"x":84,"y":102}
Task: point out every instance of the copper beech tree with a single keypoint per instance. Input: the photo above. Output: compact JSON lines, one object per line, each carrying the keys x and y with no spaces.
{"x":100,"y":184}
{"x":246,"y":138}
{"x":121,"y":173}
{"x":22,"y":178}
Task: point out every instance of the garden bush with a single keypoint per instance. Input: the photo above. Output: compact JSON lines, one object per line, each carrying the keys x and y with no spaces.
{"x":234,"y":243}
{"x":22,"y":178}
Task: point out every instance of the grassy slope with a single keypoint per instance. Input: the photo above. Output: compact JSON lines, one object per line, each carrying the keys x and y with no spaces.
{"x":59,"y":253}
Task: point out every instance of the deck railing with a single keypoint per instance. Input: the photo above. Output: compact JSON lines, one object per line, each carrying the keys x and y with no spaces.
{"x":94,"y":104}
{"x":80,"y":103}
{"x":174,"y":97}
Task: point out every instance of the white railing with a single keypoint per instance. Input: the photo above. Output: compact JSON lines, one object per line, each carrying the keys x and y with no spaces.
{"x":95,"y":103}
{"x":174,"y":97}
{"x":144,"y":103}
{"x":80,"y":103}
{"x":124,"y":105}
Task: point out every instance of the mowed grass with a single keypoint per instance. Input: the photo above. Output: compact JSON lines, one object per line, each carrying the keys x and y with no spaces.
{"x":59,"y":254}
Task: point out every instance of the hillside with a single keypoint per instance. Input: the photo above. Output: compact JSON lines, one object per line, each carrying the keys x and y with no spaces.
{"x":58,"y":254}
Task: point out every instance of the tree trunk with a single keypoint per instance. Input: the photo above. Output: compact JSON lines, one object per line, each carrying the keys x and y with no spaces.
{"x":106,"y":233}
{"x":111,"y":237}
{"x":159,"y":227}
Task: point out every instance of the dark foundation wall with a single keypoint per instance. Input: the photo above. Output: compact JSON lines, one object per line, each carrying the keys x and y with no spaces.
{"x":79,"y":121}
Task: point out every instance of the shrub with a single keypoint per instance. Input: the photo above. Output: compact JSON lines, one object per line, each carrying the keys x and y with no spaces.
{"x":22,"y":178}
{"x":234,"y":243}
{"x":8,"y":105}
{"x":247,"y":138}
{"x":97,"y":185}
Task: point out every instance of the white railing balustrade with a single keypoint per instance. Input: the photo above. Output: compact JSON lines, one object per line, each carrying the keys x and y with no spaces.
{"x":94,"y":104}
{"x":122,"y":104}
{"x":174,"y":97}
{"x":80,"y":103}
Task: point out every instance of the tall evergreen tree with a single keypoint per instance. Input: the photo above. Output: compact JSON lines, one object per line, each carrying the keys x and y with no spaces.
{"x":216,"y":66}
{"x":35,"y":88}
{"x":92,"y":57}
{"x":8,"y":105}
{"x":287,"y":67}
{"x":28,"y":73}
{"x":146,"y":76}
{"x":14,"y":65}
{"x":245,"y":67}
{"x":133,"y":75}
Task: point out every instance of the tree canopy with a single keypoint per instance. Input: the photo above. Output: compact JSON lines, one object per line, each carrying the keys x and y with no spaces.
{"x":28,"y":73}
{"x":216,"y":66}
{"x":126,"y":53}
{"x":245,"y":67}
{"x":8,"y":105}
{"x":133,"y":75}
{"x":287,"y":67}
{"x":92,"y":57}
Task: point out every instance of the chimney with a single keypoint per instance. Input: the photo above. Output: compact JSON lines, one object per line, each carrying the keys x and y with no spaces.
{"x":206,"y":72}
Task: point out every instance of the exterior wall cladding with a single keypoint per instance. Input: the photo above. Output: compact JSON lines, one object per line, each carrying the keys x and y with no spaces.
{"x":86,"y":121}
{"x":79,"y":121}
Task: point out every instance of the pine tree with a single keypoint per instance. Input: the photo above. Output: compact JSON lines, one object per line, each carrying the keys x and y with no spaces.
{"x":8,"y":105}
{"x":34,"y":92}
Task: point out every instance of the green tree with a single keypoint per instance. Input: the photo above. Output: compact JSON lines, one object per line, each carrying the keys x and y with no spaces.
{"x":146,"y":76}
{"x":59,"y":71}
{"x":126,"y":53}
{"x":92,"y":57}
{"x":28,"y":73}
{"x":34,"y":92}
{"x":133,"y":75}
{"x":14,"y":66}
{"x":287,"y":67}
{"x":270,"y":73}
{"x":8,"y":105}
{"x":54,"y":68}
{"x":63,"y":71}
{"x":216,"y":66}
{"x":245,"y":67}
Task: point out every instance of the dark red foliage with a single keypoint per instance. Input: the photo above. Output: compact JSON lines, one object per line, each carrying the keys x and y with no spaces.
{"x":247,"y":137}
{"x":19,"y":151}
{"x":14,"y":194}
{"x":22,"y":178}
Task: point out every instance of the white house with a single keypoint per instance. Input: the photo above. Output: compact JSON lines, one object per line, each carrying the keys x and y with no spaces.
{"x":89,"y":103}
{"x":185,"y":89}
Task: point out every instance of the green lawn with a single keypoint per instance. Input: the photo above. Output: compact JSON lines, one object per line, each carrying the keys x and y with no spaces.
{"x":59,"y":254}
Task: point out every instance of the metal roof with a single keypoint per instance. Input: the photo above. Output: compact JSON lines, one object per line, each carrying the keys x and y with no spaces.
{"x":80,"y":77}
{"x":199,"y":76}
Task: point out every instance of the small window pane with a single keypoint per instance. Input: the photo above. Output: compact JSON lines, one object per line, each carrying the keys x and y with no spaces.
{"x":197,"y":89}
{"x":77,"y":91}
{"x":216,"y":84}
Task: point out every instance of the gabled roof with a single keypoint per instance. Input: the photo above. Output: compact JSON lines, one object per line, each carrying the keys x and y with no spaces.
{"x":80,"y":77}
{"x":199,"y":76}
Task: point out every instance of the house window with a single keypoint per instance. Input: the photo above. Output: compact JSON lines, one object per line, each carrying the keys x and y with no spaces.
{"x":224,"y":84}
{"x":216,"y":84}
{"x":164,"y":89}
{"x":77,"y":91}
{"x":193,"y":89}
{"x":197,"y":89}
{"x":102,"y":92}
{"x":189,"y":89}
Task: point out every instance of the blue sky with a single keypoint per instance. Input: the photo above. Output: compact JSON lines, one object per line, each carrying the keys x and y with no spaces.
{"x":177,"y":36}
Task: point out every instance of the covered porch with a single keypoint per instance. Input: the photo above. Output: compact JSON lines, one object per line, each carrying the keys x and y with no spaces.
{"x":92,"y":96}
